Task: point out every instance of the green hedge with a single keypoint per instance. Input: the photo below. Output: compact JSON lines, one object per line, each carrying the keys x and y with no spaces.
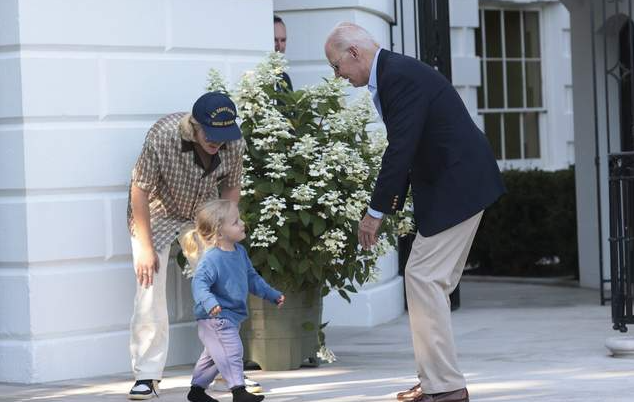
{"x":534,"y":222}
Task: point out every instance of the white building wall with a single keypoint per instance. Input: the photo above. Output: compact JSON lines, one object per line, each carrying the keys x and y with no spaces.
{"x":308,"y":23}
{"x":75,"y":106}
{"x":465,"y":65}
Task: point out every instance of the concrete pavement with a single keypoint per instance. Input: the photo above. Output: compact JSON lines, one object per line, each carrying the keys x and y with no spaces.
{"x":517,"y":343}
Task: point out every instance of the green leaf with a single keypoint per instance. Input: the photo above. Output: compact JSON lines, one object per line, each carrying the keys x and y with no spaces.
{"x":285,"y":231}
{"x":274,"y":262}
{"x":264,"y":187}
{"x":303,"y":266}
{"x":181,"y":260}
{"x":344,"y":295}
{"x":277,"y":187}
{"x":300,"y":178}
{"x":308,"y":326}
{"x":350,"y":288}
{"x":317,"y":271}
{"x":305,"y":217}
{"x":305,"y":237}
{"x":319,"y":225}
{"x":259,"y":257}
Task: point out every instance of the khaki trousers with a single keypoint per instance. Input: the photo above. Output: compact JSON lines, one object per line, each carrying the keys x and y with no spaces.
{"x":433,"y":270}
{"x":149,"y":327}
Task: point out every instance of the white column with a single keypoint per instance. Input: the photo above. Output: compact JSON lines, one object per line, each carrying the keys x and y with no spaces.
{"x":465,"y":65}
{"x":82,"y":81}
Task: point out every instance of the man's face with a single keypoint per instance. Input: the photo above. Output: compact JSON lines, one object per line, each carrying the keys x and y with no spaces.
{"x":348,"y":65}
{"x":280,"y":37}
{"x":210,"y":147}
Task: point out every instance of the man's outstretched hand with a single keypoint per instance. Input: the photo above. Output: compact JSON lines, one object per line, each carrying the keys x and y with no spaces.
{"x":368,"y":231}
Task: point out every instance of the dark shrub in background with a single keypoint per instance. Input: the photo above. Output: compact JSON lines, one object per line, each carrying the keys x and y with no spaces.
{"x":531,"y":230}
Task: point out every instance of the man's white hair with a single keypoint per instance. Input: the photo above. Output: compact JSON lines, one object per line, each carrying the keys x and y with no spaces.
{"x":347,"y":34}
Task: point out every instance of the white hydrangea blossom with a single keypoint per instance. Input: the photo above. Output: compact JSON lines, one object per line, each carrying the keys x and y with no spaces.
{"x":332,"y":241}
{"x":326,"y":354}
{"x":262,"y":236}
{"x":272,"y":126}
{"x":356,"y":168}
{"x":355,"y":204}
{"x":270,"y":72}
{"x":331,"y":87}
{"x":251,"y":99}
{"x":353,"y":118}
{"x":303,"y":193}
{"x":320,"y":168}
{"x":216,"y":82}
{"x":305,"y":147}
{"x":272,"y":208}
{"x":333,"y":201}
{"x":277,"y":167}
{"x":336,"y":155}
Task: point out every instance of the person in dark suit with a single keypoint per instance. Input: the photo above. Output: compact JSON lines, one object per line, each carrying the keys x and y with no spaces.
{"x":279,"y":32}
{"x":436,"y":150}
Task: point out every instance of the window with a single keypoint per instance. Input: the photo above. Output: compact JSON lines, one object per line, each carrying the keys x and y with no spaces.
{"x":510,"y":96}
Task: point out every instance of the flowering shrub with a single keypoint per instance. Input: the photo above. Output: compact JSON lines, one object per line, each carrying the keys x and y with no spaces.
{"x":308,"y":175}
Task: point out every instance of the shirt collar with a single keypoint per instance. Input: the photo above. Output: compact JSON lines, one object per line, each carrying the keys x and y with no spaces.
{"x":372,"y":84}
{"x":188,"y":146}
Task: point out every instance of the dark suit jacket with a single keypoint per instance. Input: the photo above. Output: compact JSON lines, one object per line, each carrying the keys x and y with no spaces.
{"x":287,"y":80}
{"x":434,"y":146}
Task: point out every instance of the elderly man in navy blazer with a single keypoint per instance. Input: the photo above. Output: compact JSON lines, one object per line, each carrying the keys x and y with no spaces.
{"x":436,"y":150}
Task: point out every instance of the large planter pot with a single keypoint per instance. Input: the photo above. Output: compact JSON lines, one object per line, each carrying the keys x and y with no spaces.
{"x":282,"y":339}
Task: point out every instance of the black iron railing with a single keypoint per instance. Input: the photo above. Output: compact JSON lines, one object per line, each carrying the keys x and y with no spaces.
{"x":621,"y":172}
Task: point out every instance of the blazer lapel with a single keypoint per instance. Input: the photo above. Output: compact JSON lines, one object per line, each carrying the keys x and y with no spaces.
{"x":380,"y":64}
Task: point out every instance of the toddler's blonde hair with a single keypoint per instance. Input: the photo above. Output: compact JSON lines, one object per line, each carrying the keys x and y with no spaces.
{"x":209,"y":219}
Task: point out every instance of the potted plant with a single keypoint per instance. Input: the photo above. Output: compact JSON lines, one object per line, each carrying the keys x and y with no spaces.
{"x":308,"y":174}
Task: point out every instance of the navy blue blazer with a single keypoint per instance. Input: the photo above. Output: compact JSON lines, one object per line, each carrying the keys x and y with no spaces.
{"x":434,"y":147}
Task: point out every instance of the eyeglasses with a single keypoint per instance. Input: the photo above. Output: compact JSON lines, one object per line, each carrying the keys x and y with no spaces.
{"x":335,"y":65}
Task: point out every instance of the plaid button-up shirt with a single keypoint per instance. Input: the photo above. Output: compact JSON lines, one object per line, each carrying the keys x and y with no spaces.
{"x":170,"y":169}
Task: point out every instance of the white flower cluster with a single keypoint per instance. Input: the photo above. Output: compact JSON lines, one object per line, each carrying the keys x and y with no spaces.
{"x":277,"y":166}
{"x":272,"y":208}
{"x":251,"y":98}
{"x":405,"y":225}
{"x":355,"y":204}
{"x":326,"y":354}
{"x":271,"y":127}
{"x":270,"y":72}
{"x":357,"y":170}
{"x":333,"y":201}
{"x":330,"y":87}
{"x":263,"y":236}
{"x":305,"y":147}
{"x":333,"y":242}
{"x":303,"y":193}
{"x":376,"y":146}
{"x":216,"y":82}
{"x":187,"y":270}
{"x":352,"y":119}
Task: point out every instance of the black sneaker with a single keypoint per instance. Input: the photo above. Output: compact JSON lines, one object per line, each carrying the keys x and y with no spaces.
{"x":144,"y":389}
{"x":197,"y":394}
{"x":242,"y":395}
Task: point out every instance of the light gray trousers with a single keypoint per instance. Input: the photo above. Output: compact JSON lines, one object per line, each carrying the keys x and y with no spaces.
{"x":223,"y":353}
{"x":433,"y":270}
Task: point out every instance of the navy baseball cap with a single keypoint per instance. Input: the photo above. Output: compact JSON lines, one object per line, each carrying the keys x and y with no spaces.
{"x":217,"y":114}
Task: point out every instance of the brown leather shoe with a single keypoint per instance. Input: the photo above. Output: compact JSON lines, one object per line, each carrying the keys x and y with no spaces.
{"x":459,"y":395}
{"x":410,"y":394}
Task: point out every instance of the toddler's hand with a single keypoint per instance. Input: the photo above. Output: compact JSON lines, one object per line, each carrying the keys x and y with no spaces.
{"x":280,"y":301}
{"x":215,"y":311}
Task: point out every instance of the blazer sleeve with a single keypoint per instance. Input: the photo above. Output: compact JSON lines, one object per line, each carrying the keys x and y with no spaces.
{"x":406,"y":107}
